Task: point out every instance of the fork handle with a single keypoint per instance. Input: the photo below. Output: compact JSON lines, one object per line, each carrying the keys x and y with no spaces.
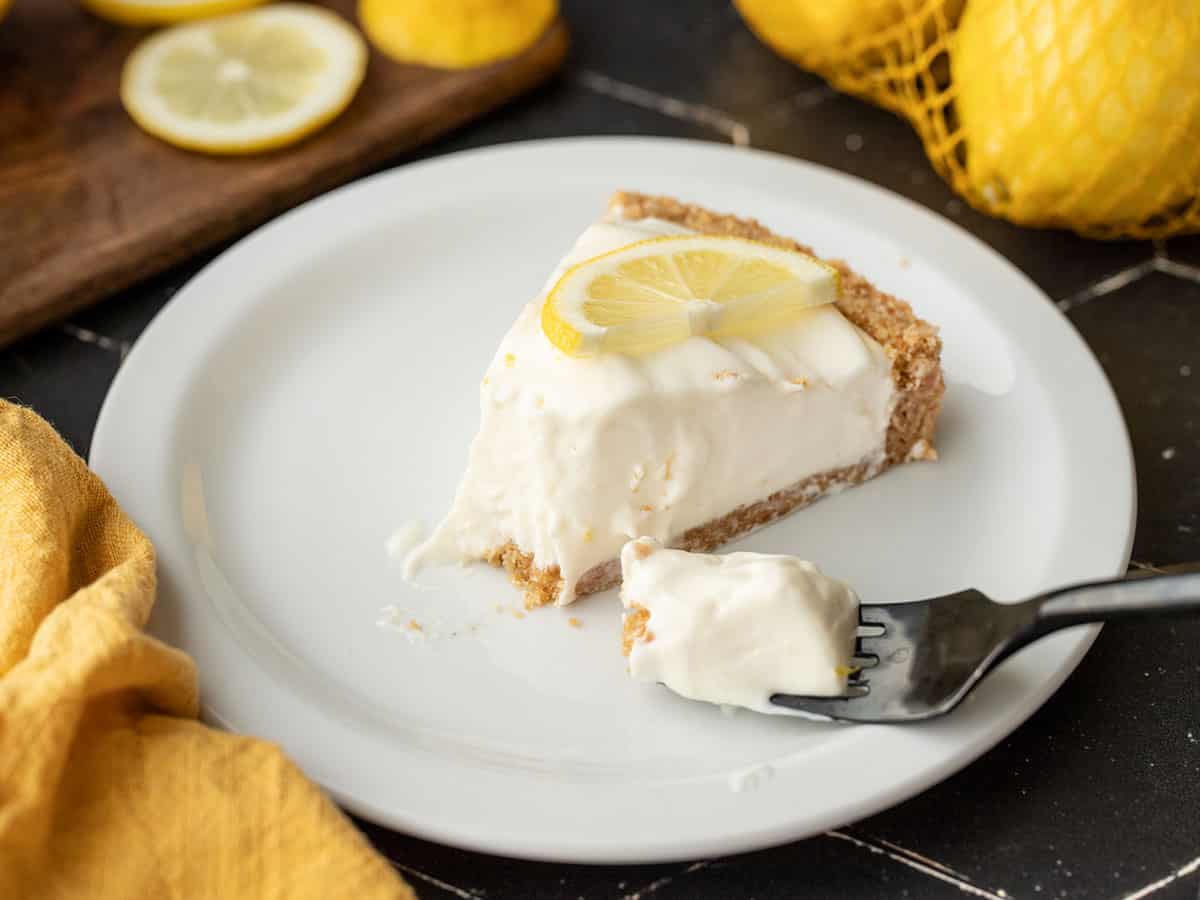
{"x":1138,"y":597}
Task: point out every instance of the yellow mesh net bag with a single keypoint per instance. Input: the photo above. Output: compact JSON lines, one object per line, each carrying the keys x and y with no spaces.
{"x":1082,"y":114}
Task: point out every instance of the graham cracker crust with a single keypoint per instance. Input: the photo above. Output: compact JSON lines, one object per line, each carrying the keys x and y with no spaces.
{"x":633,"y":628}
{"x":912,"y":345}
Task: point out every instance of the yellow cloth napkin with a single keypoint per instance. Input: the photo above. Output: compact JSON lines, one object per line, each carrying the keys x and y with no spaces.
{"x":109,"y":787}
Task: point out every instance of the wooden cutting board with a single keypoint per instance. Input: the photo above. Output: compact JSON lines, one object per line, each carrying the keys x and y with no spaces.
{"x":89,"y":204}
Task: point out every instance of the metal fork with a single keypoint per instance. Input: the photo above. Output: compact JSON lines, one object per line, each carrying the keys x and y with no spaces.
{"x":919,"y":660}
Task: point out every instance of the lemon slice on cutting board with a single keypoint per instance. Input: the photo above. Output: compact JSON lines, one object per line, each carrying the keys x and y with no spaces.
{"x":245,"y":82}
{"x":163,"y":12}
{"x":661,"y":291}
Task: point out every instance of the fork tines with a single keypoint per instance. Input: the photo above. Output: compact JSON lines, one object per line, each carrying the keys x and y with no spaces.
{"x":857,"y":684}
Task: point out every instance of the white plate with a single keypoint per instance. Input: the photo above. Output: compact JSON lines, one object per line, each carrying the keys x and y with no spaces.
{"x":316,"y":386}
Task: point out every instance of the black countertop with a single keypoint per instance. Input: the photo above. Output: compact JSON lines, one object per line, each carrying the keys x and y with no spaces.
{"x":1098,"y":794}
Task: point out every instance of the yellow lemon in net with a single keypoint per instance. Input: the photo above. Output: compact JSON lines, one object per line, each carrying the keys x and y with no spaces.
{"x":162,"y":12}
{"x":1079,"y":113}
{"x":819,"y":34}
{"x":454,"y":34}
{"x":661,"y":291}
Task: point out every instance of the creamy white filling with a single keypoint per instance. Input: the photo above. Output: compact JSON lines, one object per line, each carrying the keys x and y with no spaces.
{"x":576,"y":456}
{"x":735,"y":629}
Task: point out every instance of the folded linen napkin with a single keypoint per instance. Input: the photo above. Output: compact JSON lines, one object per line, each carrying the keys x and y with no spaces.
{"x":109,"y":786}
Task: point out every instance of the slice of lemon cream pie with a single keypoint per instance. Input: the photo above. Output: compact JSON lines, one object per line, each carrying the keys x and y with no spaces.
{"x":686,"y":376}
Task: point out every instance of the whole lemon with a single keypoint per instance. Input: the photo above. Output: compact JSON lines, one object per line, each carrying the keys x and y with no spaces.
{"x":1079,"y":113}
{"x":454,"y":34}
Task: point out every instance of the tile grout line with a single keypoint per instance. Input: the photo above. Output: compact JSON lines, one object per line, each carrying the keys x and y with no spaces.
{"x":737,"y":133}
{"x":665,"y":880}
{"x":1107,"y":285}
{"x":461,"y":893}
{"x":1182,"y":872}
{"x":914,"y":855}
{"x":1160,"y":262}
{"x":87,"y":336}
{"x":1168,"y":266}
{"x":920,"y":864}
{"x":802,"y":101}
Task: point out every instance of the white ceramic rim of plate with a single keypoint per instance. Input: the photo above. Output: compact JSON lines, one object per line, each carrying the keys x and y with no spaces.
{"x":139,"y":414}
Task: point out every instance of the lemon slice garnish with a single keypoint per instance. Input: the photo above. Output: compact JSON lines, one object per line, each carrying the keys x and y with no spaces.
{"x":454,"y":34}
{"x":163,"y":12}
{"x":245,"y":82}
{"x":661,"y":291}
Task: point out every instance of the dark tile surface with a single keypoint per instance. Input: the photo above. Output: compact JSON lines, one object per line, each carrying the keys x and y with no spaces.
{"x":61,"y":377}
{"x":834,"y":861}
{"x":565,"y":108}
{"x":1185,"y":249}
{"x":697,"y":51}
{"x":1147,"y":338}
{"x":1056,"y":808}
{"x":1098,"y":794}
{"x":496,"y":876}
